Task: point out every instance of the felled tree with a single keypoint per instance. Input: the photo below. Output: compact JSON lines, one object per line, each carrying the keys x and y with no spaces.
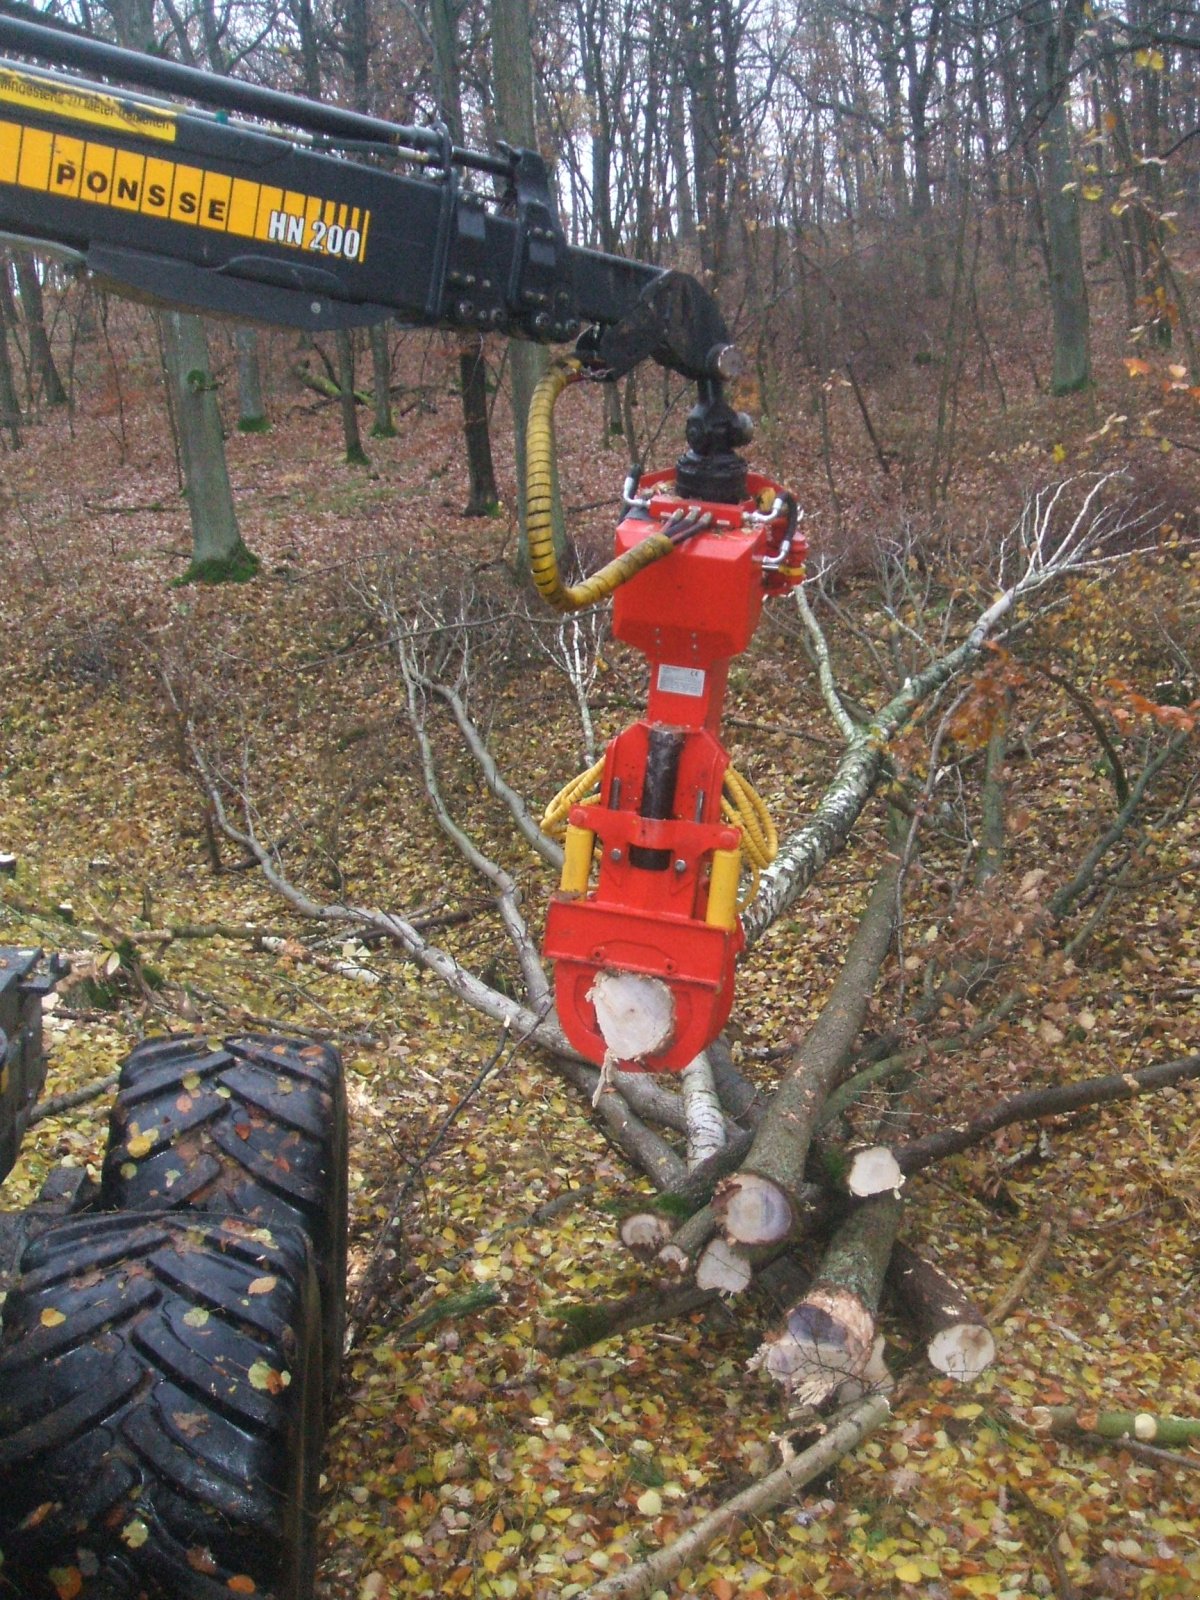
{"x":820,"y":1160}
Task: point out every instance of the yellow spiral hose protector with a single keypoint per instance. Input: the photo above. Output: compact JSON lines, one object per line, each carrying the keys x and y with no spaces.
{"x":539,"y":481}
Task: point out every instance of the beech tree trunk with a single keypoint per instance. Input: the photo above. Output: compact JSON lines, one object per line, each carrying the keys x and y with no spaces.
{"x":512,"y":86}
{"x":41,"y":356}
{"x":252,"y":412}
{"x":218,"y":553}
{"x":383,"y":426}
{"x":356,"y":456}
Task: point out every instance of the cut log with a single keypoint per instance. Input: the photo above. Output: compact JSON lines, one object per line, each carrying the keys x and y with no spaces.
{"x":874,"y":1170}
{"x":645,"y":1233}
{"x":635,"y":1014}
{"x":779,"y":1153}
{"x":1141,"y":1426}
{"x":705,"y":1119}
{"x":723,"y":1267}
{"x":956,"y":1338}
{"x":828,"y":1337}
{"x":750,"y":1209}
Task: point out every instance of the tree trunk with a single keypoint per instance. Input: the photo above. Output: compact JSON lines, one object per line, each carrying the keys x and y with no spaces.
{"x":383,"y":426}
{"x":252,"y":413}
{"x":512,"y":78}
{"x":356,"y":456}
{"x":10,"y":405}
{"x":484,"y":496}
{"x":218,"y":554}
{"x":1051,"y":41}
{"x":41,"y":355}
{"x":828,"y":1337}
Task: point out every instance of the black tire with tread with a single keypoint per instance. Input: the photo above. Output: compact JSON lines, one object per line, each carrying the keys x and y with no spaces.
{"x":256,"y":1128}
{"x":151,"y":1446}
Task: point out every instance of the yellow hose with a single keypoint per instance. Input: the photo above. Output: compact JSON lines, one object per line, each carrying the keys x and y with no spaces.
{"x":741,"y":806}
{"x":575,"y":793}
{"x":539,"y":481}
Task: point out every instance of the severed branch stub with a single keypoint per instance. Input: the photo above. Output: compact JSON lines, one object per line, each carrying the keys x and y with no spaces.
{"x":957,"y":1340}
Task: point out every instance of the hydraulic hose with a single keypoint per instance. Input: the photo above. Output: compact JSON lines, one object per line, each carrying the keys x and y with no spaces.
{"x":539,"y":480}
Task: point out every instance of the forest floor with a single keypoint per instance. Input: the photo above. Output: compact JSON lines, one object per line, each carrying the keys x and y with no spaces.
{"x":464,"y":1458}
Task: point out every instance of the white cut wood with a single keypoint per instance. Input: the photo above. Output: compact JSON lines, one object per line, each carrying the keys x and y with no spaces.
{"x":702,"y":1107}
{"x":635,"y":1014}
{"x":962,"y":1352}
{"x":723,"y":1267}
{"x":674,"y":1260}
{"x":751,"y":1209}
{"x":829,"y":1337}
{"x":645,"y":1233}
{"x":874,"y":1170}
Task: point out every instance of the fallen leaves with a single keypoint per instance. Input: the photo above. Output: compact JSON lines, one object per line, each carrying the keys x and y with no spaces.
{"x":262,"y":1375}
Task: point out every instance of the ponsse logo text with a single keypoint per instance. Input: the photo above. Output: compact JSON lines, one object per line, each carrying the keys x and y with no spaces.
{"x":103,"y":174}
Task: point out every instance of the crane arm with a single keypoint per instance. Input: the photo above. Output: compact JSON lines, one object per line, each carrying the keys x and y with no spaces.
{"x":267,"y":206}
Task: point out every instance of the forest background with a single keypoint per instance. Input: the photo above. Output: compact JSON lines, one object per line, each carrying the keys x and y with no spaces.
{"x":960,"y":250}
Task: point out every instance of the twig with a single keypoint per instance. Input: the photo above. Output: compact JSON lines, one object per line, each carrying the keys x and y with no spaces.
{"x":67,"y":1101}
{"x":1036,"y":1104}
{"x":777,"y":1488}
{"x":1005,"y":1304}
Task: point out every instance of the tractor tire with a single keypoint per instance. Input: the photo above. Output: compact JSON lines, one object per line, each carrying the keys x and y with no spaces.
{"x":160,"y":1412}
{"x":256,"y":1128}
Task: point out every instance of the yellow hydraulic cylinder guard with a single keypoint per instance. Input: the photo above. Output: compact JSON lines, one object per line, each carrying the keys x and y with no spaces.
{"x":577,"y":860}
{"x":722,"y":908}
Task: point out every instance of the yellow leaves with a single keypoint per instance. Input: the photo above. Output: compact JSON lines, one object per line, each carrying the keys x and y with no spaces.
{"x":649,"y":1503}
{"x":67,"y":1581}
{"x":52,"y":1317}
{"x":909,"y":1572}
{"x":1150,"y":60}
{"x":265,"y":1377}
{"x":135,"y":1533}
{"x":263,"y":1285}
{"x":140,"y":1144}
{"x":196,"y":1317}
{"x":1136,"y":366}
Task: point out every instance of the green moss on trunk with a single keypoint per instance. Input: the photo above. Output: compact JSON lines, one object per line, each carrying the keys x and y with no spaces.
{"x":238,"y":567}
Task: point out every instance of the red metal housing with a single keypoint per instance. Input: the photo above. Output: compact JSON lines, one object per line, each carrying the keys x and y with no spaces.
{"x":658,"y":830}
